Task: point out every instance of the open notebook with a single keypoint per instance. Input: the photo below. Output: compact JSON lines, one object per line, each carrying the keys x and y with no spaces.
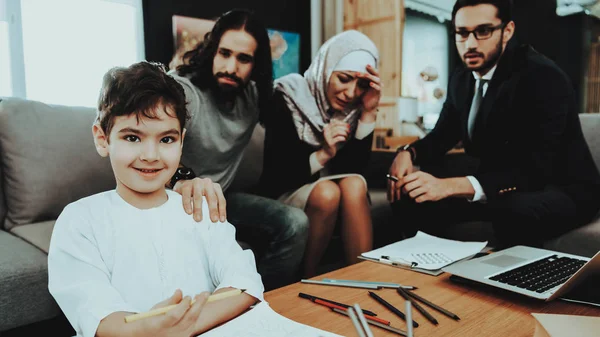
{"x":262,"y":321}
{"x":425,"y":253}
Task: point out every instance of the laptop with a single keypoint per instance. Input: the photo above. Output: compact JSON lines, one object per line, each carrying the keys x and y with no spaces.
{"x":534,"y":272}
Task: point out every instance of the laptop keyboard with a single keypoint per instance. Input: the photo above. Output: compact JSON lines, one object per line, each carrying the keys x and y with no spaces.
{"x":541,"y":275}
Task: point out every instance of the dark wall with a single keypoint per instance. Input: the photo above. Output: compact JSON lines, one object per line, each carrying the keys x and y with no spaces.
{"x":288,"y":15}
{"x":572,"y":57}
{"x":536,"y":24}
{"x":565,"y":40}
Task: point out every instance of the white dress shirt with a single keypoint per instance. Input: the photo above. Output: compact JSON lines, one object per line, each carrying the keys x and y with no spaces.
{"x":108,"y":256}
{"x":479,"y":193}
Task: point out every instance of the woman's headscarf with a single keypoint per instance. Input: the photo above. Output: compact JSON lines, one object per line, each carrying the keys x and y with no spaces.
{"x":306,"y":96}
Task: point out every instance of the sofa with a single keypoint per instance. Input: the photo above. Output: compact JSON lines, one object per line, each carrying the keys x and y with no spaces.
{"x":48,"y":159}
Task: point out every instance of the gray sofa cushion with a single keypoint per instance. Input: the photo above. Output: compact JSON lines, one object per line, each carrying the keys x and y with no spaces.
{"x":2,"y":198}
{"x":48,"y":159}
{"x":381,"y":210}
{"x":584,"y":241}
{"x":24,"y":296}
{"x":37,"y":234}
{"x":590,"y":124}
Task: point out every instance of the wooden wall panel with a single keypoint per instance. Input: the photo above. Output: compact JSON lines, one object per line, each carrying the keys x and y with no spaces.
{"x":593,"y":80}
{"x":383,"y":22}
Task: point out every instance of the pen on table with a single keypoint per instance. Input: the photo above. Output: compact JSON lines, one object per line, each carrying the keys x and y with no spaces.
{"x":408,"y":309}
{"x":396,"y":263}
{"x":311,"y":297}
{"x":391,"y":307}
{"x":163,"y":310}
{"x":341,"y":284}
{"x":377,"y":324}
{"x":331,"y":306}
{"x":391,"y":177}
{"x":434,"y":306}
{"x":356,"y":323}
{"x":373,"y":283}
{"x":417,"y":306}
{"x":361,"y":319}
{"x":400,"y":261}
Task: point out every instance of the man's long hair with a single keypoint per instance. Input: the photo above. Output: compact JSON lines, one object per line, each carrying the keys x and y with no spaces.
{"x":199,"y":61}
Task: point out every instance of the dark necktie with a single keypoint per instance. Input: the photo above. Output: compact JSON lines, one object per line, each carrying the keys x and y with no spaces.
{"x":477,"y":98}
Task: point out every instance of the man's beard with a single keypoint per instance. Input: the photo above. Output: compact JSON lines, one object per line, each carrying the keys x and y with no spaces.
{"x":228,"y":90}
{"x":490,"y":61}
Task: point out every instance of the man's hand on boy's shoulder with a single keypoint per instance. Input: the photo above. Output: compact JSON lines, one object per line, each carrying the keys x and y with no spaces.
{"x":192,"y":191}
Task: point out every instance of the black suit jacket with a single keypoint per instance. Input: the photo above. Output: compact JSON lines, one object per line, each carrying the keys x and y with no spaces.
{"x":286,"y":165}
{"x":527,"y":133}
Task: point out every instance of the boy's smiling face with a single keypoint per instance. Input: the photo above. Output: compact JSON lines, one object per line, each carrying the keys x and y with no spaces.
{"x":144,"y":155}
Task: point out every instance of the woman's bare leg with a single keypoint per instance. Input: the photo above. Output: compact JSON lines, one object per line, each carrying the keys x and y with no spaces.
{"x":357,"y":229}
{"x":322,"y":211}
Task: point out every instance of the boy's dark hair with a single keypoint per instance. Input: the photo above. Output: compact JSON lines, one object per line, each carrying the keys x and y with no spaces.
{"x":505,"y":8}
{"x":139,"y":89}
{"x":198,"y":62}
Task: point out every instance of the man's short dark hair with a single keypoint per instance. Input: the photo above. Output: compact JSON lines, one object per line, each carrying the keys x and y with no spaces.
{"x":505,"y":8}
{"x":139,"y":89}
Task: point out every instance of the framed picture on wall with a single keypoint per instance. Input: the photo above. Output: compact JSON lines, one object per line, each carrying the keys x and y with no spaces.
{"x":188,"y":32}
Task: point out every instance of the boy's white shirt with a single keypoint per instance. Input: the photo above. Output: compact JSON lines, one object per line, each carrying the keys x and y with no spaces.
{"x":107,"y":256}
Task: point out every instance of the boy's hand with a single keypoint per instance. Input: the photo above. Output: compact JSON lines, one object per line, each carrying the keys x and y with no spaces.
{"x":192,"y":192}
{"x":177,"y":322}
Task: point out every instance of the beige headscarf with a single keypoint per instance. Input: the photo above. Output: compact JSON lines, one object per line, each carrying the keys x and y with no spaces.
{"x":306,"y":96}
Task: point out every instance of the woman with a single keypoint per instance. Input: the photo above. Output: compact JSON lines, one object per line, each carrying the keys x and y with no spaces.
{"x":318,"y":138}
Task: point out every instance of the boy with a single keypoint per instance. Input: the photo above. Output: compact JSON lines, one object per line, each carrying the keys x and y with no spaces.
{"x":128,"y":250}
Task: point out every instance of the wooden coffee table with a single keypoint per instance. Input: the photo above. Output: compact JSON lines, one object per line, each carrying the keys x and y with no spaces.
{"x":484,"y":311}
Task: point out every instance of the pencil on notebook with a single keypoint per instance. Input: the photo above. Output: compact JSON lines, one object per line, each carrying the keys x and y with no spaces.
{"x":163,"y":310}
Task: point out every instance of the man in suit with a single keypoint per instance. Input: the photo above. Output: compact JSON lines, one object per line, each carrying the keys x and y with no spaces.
{"x":514,"y":110}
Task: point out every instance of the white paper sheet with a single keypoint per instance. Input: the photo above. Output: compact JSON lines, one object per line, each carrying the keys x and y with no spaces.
{"x":262,"y":321}
{"x":566,"y":326}
{"x":428,"y":251}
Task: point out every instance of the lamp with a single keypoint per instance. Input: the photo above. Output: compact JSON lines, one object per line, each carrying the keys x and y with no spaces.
{"x":407,"y":109}
{"x":407,"y":117}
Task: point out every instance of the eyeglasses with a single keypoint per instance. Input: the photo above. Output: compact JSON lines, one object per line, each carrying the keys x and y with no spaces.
{"x":480,"y":33}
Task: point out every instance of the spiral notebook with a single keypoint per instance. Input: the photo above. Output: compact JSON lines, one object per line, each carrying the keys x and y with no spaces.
{"x":424,"y":253}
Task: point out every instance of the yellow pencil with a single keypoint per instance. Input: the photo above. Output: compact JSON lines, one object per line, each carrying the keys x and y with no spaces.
{"x":163,"y":310}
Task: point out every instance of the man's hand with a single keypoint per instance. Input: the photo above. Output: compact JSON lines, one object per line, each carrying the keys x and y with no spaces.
{"x":192,"y":192}
{"x":401,"y":166}
{"x":422,"y":186}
